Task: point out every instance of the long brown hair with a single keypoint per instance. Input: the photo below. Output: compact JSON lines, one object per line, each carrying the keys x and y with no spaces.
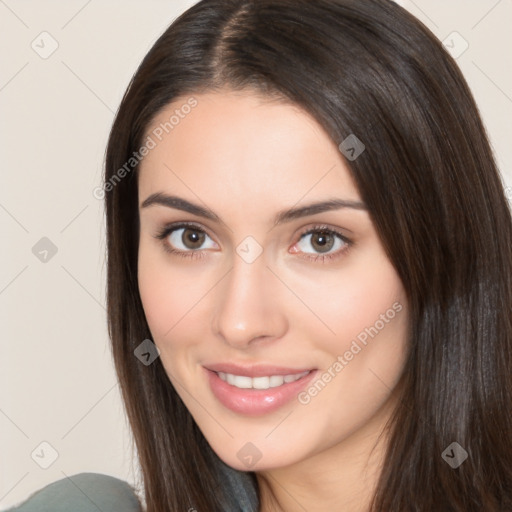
{"x":434,"y":193}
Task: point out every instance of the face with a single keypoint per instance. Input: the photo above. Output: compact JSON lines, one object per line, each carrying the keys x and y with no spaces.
{"x":283,"y":333}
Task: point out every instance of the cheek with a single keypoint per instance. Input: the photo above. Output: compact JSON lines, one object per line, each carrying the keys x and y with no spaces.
{"x":155,"y":301}
{"x":370,"y":348}
{"x":371,"y":309}
{"x":354,"y":304}
{"x":162,"y":294}
{"x":364,"y":359}
{"x":172,"y":297}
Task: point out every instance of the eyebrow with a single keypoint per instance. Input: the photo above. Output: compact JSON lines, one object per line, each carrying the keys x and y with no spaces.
{"x":159,"y":198}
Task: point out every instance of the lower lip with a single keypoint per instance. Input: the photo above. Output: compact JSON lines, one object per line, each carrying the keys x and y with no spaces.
{"x":255,"y":402}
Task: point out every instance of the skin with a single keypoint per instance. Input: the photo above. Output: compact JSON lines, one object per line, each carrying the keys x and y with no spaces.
{"x":247,"y":158}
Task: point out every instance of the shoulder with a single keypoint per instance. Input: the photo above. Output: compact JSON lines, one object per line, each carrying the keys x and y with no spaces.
{"x":84,"y":492}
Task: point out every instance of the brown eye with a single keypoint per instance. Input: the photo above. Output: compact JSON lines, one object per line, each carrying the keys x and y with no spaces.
{"x":326,"y":244}
{"x":192,"y":238}
{"x":322,"y":241}
{"x":185,"y":239}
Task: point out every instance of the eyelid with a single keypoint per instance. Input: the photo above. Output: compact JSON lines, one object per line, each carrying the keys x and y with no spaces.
{"x":168,"y":228}
{"x":328,"y":257}
{"x":326,"y":227}
{"x":302,"y":232}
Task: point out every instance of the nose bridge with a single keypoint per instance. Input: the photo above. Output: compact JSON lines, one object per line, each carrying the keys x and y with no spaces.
{"x":247,"y":307}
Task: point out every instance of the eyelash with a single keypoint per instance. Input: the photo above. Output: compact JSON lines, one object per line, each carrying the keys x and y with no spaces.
{"x":198,"y":254}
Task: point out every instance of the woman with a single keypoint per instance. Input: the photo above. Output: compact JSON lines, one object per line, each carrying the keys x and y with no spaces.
{"x":309,"y":251}
{"x":249,"y":108}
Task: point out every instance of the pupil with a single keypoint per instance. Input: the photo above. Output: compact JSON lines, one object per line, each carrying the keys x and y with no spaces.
{"x":323,"y":240}
{"x":193,"y":237}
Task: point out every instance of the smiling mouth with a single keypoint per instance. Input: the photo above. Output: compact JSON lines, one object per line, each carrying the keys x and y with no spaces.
{"x":262,"y":390}
{"x":264,"y":382}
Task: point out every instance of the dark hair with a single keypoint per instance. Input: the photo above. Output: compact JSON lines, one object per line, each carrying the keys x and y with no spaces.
{"x":428,"y":177}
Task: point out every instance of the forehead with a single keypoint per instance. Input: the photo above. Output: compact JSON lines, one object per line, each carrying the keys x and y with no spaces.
{"x":241,"y":146}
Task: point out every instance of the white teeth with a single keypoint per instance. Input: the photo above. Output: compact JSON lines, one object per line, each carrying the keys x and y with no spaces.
{"x":260,"y":382}
{"x":276,"y":380}
{"x":272,"y":381}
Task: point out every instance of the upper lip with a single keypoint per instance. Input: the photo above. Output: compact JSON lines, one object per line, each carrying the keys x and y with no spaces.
{"x":255,"y":370}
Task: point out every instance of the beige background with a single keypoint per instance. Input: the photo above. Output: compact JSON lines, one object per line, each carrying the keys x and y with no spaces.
{"x":57,"y":380}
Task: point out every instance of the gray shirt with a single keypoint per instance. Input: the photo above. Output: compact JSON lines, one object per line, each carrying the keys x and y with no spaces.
{"x":90,"y":492}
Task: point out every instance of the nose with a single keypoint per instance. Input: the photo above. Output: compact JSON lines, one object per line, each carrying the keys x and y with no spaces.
{"x":248,"y":306}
